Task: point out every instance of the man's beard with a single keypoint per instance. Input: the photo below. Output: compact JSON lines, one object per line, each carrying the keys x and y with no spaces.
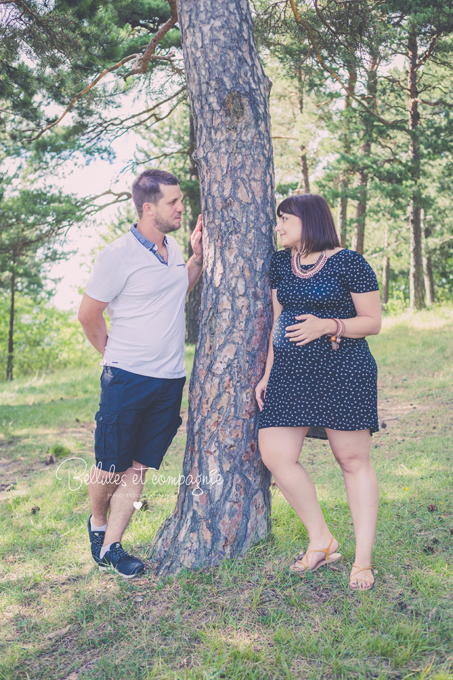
{"x":164,"y":226}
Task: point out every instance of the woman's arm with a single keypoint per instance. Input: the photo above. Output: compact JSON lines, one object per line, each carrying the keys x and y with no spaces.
{"x":260,"y":391}
{"x":367,"y":321}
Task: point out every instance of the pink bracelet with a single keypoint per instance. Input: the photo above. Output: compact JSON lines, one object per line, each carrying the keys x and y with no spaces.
{"x":340,"y":330}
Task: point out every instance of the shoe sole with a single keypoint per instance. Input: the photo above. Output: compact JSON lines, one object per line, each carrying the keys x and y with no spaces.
{"x":112,"y":568}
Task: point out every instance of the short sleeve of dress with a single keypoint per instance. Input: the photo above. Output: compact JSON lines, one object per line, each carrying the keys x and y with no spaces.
{"x":360,"y":277}
{"x":274,"y":274}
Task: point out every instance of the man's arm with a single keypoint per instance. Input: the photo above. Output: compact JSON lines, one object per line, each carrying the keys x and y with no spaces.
{"x":195,"y":263}
{"x":93,"y":322}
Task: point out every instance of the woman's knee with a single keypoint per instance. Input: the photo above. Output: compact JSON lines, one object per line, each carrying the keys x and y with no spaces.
{"x":351,"y":462}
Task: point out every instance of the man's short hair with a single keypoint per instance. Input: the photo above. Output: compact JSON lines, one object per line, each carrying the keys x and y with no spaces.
{"x":146,"y":187}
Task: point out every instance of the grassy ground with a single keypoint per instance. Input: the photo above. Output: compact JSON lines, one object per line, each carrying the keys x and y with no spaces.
{"x":250,"y":618}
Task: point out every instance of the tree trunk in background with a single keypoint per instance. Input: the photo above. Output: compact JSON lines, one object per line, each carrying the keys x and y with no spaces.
{"x":193,"y":300}
{"x":416,"y":284}
{"x":342,"y":219}
{"x":358,"y":235}
{"x":229,"y":102}
{"x":428,"y":267}
{"x":385,"y":269}
{"x":304,"y":164}
{"x":429,"y":280}
{"x":303,"y":155}
{"x":342,"y":214}
{"x":9,"y":366}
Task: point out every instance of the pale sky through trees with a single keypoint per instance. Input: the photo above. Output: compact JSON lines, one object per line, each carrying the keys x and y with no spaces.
{"x":95,"y":178}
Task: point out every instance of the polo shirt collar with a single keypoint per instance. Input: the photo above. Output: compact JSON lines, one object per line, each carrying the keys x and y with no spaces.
{"x":149,"y":245}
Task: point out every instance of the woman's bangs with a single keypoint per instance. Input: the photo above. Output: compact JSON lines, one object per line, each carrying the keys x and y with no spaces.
{"x":288,"y":206}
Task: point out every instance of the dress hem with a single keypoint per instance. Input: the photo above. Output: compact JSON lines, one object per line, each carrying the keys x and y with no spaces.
{"x":319,"y":432}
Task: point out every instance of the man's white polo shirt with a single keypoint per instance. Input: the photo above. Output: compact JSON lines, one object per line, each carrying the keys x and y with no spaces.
{"x":146,"y":306}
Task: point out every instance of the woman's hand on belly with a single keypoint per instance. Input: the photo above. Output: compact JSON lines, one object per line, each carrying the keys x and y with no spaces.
{"x":311,"y":328}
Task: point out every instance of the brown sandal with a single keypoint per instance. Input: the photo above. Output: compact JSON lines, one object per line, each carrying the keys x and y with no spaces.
{"x":334,"y":557}
{"x":353,"y":576}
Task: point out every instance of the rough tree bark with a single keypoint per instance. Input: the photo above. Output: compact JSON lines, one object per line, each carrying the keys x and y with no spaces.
{"x":342,"y":219}
{"x":229,"y":102}
{"x":193,"y":300}
{"x":9,"y":367}
{"x":416,"y":283}
{"x":358,"y":234}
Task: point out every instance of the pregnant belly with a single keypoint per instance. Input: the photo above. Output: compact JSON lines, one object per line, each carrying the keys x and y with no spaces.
{"x":286,"y":318}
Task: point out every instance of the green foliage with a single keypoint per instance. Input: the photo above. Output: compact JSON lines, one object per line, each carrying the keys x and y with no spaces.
{"x":46,"y":338}
{"x":59,"y":451}
{"x":248,"y":618}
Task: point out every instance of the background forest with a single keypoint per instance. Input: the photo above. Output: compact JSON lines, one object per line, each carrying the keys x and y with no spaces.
{"x":361,"y":104}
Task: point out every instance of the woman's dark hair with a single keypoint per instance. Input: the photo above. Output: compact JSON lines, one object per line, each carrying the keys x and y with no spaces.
{"x":318,"y":227}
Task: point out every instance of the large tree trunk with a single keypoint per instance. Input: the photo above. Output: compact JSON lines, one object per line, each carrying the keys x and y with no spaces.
{"x":416,"y":284}
{"x":194,"y":298}
{"x":229,"y":102}
{"x":358,"y":234}
{"x":9,"y":366}
{"x":342,"y":219}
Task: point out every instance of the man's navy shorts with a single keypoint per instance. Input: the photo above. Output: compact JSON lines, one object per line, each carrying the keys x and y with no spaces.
{"x":137,"y":419}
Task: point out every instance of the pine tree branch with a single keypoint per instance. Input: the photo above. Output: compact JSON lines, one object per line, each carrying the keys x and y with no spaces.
{"x":104,"y":73}
{"x":424,"y":58}
{"x":326,"y":68}
{"x":142,"y":62}
{"x":439,"y":102}
{"x":120,"y":122}
{"x":120,"y":197}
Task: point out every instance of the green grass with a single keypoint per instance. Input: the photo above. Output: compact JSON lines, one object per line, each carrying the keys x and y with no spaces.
{"x":249,"y":618}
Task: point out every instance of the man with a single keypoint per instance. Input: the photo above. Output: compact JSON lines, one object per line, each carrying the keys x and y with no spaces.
{"x":142,"y":280}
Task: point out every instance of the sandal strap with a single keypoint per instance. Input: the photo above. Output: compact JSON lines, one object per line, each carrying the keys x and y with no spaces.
{"x":359,"y":569}
{"x":324,"y":550}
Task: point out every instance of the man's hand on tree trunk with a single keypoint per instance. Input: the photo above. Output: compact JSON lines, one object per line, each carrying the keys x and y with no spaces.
{"x":196,"y":239}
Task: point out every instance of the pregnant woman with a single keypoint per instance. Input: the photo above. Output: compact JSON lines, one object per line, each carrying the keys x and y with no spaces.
{"x":321,"y":374}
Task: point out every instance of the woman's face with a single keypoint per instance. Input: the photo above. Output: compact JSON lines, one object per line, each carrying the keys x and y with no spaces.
{"x":289,"y":227}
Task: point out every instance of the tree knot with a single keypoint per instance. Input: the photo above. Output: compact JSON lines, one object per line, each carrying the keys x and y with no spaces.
{"x":234,"y":105}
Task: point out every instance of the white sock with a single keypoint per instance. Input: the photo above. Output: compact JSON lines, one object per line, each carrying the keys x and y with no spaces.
{"x":104,"y":550}
{"x":95,"y":528}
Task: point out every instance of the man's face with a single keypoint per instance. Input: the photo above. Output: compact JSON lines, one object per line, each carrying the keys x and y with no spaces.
{"x":169,"y":209}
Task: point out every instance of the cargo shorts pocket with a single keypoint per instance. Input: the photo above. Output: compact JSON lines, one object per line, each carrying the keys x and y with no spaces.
{"x":106,"y":436}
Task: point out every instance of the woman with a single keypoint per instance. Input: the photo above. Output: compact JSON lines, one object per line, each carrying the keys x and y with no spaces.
{"x":321,"y":374}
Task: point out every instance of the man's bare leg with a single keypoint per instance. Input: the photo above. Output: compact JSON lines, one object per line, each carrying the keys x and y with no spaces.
{"x":122,"y":501}
{"x":100,"y":491}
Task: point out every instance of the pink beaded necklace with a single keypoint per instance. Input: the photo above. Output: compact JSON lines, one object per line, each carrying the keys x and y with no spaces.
{"x":307,"y":273}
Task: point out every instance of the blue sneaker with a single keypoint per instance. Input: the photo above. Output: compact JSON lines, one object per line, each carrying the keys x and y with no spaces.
{"x":96,"y":540}
{"x":123,"y":563}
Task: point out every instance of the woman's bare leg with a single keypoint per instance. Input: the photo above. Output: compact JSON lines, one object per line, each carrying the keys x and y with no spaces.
{"x":280,"y":449}
{"x":352,"y":452}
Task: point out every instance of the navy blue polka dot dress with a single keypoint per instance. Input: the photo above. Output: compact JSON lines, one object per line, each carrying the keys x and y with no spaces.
{"x":313,"y":385}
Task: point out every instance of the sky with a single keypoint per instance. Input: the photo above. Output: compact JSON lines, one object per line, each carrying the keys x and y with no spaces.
{"x":95,"y":178}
